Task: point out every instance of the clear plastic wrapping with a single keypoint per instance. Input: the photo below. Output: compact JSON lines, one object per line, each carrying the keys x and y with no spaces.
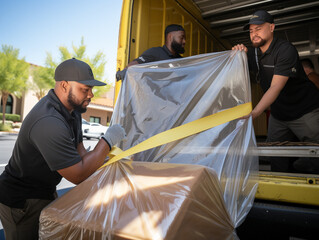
{"x":199,"y":187}
{"x":147,"y":201}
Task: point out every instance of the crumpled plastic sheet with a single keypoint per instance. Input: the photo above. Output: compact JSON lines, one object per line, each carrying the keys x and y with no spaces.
{"x":159,"y":96}
{"x":156,"y":97}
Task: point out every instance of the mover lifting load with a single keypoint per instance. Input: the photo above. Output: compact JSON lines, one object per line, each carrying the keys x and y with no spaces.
{"x":163,"y":200}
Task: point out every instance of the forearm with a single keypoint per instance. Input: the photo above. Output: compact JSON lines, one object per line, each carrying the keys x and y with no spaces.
{"x":265,"y":102}
{"x":134,"y":62}
{"x":90,"y":162}
{"x":94,"y":159}
{"x":277,"y":84}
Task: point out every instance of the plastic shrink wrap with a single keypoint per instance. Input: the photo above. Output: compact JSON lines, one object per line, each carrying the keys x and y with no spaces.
{"x":198,"y":187}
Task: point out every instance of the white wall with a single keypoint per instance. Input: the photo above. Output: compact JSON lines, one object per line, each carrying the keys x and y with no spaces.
{"x":29,"y":99}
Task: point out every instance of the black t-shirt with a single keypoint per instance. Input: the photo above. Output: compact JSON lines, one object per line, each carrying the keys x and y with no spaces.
{"x":300,"y":95}
{"x":156,"y":54}
{"x":47,"y":142}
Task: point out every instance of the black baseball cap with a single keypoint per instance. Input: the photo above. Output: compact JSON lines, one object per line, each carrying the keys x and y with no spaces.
{"x":259,"y":17}
{"x":78,"y":71}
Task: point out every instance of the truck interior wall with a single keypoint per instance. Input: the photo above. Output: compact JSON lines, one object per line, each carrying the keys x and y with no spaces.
{"x":148,"y":23}
{"x":150,"y":19}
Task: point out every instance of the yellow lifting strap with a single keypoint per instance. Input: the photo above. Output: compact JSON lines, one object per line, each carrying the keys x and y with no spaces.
{"x":182,"y":131}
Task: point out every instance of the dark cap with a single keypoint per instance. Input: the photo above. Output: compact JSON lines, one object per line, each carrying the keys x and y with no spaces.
{"x":173,"y":28}
{"x":259,"y":17}
{"x":76,"y":70}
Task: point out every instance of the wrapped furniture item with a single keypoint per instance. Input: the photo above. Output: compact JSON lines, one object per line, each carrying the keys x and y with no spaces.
{"x":145,"y":201}
{"x":198,"y":187}
{"x":158,"y":96}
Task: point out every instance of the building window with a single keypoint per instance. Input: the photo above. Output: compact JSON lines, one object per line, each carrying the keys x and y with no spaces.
{"x":9,"y":106}
{"x":95,"y":119}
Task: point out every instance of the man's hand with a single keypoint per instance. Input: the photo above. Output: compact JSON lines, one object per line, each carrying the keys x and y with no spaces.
{"x":240,"y":47}
{"x":114,"y":134}
{"x":253,"y":114}
{"x":120,"y":75}
{"x":246,"y":116}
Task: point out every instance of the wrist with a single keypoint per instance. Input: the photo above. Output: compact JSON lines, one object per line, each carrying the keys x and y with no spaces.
{"x":255,"y":113}
{"x":106,"y":142}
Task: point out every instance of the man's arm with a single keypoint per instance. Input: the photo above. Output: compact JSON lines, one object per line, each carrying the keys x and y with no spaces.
{"x":94,"y":159}
{"x":277,"y":84}
{"x":90,"y":162}
{"x":134,"y":62}
{"x":81,"y":149}
{"x":147,"y":56}
{"x":120,"y":75}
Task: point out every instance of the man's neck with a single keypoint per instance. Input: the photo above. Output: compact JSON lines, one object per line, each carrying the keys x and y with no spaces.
{"x":63,"y":99}
{"x":265,"y":47}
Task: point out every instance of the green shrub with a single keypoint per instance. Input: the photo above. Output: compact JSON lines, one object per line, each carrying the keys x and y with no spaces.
{"x":8,"y":123}
{"x":5,"y":127}
{"x":16,"y":125}
{"x":12,"y":117}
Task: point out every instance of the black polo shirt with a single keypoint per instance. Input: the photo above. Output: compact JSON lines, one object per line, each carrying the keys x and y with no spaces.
{"x":156,"y":54}
{"x":47,"y":142}
{"x":300,"y":95}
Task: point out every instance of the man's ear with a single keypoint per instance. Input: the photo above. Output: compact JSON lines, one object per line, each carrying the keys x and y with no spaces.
{"x":169,"y":37}
{"x":272,"y":27}
{"x":64,"y":86}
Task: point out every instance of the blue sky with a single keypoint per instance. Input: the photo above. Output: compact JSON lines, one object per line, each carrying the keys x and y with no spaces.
{"x":36,"y":27}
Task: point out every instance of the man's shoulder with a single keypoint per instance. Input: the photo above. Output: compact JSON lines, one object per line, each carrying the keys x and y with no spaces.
{"x":153,"y":50}
{"x":43,"y":109}
{"x":152,"y":54}
{"x":44,"y":114}
{"x":282,"y":49}
{"x":283,"y":44}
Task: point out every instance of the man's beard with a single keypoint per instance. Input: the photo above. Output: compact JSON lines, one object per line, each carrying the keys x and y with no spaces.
{"x":178,"y":48}
{"x":259,"y":44}
{"x":75,"y":106}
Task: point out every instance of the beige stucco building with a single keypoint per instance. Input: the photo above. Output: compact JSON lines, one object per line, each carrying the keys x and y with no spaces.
{"x":99,"y":110}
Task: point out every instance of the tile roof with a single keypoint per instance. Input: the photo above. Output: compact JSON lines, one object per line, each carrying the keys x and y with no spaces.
{"x":108,"y":102}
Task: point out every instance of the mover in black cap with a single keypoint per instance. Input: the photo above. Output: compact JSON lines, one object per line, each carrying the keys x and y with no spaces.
{"x":49,"y":147}
{"x":175,"y":40}
{"x":292,"y":98}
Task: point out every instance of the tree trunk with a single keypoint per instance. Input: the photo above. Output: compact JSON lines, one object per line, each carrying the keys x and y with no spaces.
{"x":4,"y":99}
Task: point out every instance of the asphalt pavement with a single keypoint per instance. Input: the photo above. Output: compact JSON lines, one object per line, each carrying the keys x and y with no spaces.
{"x":7,"y":141}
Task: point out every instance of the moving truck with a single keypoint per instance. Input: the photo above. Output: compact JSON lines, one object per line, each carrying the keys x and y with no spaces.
{"x":286,"y":204}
